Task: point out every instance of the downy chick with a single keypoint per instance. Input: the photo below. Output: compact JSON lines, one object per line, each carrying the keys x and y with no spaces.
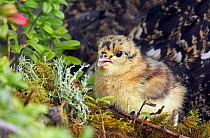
{"x":132,"y":78}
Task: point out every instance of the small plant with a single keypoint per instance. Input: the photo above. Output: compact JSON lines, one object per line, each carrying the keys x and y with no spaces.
{"x":9,"y":81}
{"x":97,"y":103}
{"x":67,"y":88}
{"x":41,"y":35}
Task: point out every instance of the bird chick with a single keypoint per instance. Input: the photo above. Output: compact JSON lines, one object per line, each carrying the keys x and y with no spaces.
{"x":131,"y":78}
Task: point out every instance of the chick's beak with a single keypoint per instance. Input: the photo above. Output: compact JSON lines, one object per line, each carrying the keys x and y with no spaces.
{"x":102,"y":61}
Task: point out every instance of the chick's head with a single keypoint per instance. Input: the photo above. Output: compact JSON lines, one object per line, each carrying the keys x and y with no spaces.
{"x":116,"y":55}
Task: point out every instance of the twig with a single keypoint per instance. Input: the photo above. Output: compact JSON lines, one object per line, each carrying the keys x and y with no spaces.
{"x":138,"y":114}
{"x":63,"y":103}
{"x":8,"y":46}
{"x":159,"y":111}
{"x":141,"y":108}
{"x":34,"y":22}
{"x":149,"y":125}
{"x":103,"y":135}
{"x":29,"y":97}
{"x":142,"y":123}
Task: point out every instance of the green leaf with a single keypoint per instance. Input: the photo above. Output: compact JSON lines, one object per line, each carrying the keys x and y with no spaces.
{"x":89,"y":97}
{"x":48,"y":29}
{"x":31,"y":16}
{"x":58,"y":13}
{"x":47,"y":48}
{"x":80,"y":74}
{"x":15,"y":48}
{"x":16,"y":80}
{"x":30,"y":53}
{"x":39,"y":21}
{"x":14,"y":27}
{"x":34,"y":40}
{"x":4,"y":64}
{"x":4,"y":31}
{"x":32,"y":4}
{"x":8,"y":9}
{"x":33,"y":57}
{"x":12,"y":34}
{"x":39,"y":48}
{"x":91,"y":104}
{"x":49,"y":55}
{"x":29,"y":35}
{"x":46,"y":23}
{"x":56,"y":22}
{"x":68,"y":44}
{"x":47,"y":7}
{"x":72,"y":60}
{"x":66,"y":36}
{"x":24,"y":8}
{"x":55,"y":37}
{"x":91,"y":79}
{"x":56,"y":6}
{"x":104,"y":101}
{"x":147,"y":114}
{"x":107,"y":97}
{"x":63,"y":2}
{"x":61,"y":30}
{"x":56,"y":41}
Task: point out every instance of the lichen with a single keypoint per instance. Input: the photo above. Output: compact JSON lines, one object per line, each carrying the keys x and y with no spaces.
{"x":54,"y":83}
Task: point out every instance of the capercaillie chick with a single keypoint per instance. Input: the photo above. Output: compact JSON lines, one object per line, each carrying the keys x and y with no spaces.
{"x":131,"y":78}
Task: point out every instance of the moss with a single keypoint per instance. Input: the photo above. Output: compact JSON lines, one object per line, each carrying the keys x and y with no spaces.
{"x":44,"y":72}
{"x":38,"y":93}
{"x":193,"y":126}
{"x":113,"y":126}
{"x":40,"y":82}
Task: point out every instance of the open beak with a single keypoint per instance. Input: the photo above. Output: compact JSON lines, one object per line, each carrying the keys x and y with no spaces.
{"x":102,"y":61}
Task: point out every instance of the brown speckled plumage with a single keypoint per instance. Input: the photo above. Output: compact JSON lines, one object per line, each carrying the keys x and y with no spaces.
{"x":124,"y":73}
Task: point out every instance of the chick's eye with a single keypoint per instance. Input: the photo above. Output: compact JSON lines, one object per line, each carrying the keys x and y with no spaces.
{"x":103,"y":53}
{"x":119,"y":53}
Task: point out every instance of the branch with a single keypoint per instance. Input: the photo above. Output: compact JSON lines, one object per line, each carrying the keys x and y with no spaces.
{"x":29,"y":97}
{"x":149,"y":125}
